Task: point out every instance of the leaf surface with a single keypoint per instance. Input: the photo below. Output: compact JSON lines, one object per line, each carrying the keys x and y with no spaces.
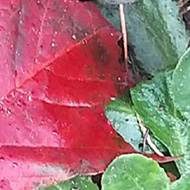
{"x":59,"y":68}
{"x":134,"y":172}
{"x":155,"y":31}
{"x":121,"y":114}
{"x":182,"y":184}
{"x":180,"y":88}
{"x":154,"y":105}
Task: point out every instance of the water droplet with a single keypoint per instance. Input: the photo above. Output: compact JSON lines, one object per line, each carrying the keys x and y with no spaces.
{"x":72,"y":182}
{"x":38,"y":2}
{"x":119,"y":78}
{"x":2,"y":159}
{"x":15,"y":165}
{"x":35,"y":60}
{"x":84,"y":41}
{"x":8,"y":111}
{"x":112,"y":98}
{"x":112,"y":168}
{"x":17,"y":53}
{"x":55,"y":33}
{"x":74,"y":37}
{"x":40,"y":51}
{"x":54,"y":132}
{"x":29,"y":98}
{"x":111,"y":34}
{"x":114,"y":175}
{"x":53,"y":44}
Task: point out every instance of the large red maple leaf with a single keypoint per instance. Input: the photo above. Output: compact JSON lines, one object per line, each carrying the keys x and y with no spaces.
{"x":58,"y":69}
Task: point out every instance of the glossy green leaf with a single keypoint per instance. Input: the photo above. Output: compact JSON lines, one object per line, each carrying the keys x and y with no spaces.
{"x":154,"y":30}
{"x":155,"y":107}
{"x":182,"y":184}
{"x":134,"y":172}
{"x":123,"y":118}
{"x":180,"y":86}
{"x":77,"y":183}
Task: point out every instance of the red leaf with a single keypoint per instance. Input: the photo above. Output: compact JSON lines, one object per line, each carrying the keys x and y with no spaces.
{"x":59,"y":68}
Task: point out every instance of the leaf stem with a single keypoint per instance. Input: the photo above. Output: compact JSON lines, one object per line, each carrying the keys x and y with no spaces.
{"x":124,"y":33}
{"x":149,"y":142}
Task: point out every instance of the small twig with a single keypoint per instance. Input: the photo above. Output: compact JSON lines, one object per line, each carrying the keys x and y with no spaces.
{"x":148,"y":140}
{"x":124,"y":33}
{"x":145,"y":139}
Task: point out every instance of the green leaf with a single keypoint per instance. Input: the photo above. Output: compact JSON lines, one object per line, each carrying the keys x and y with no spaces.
{"x":123,"y":118}
{"x":180,"y":87}
{"x":154,"y":30}
{"x":182,"y":184}
{"x":77,"y":183}
{"x":155,"y":107}
{"x":134,"y":172}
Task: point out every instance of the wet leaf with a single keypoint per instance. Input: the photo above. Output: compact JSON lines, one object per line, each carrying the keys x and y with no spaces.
{"x":77,"y":183}
{"x":155,"y":31}
{"x":154,"y":105}
{"x":59,"y":68}
{"x":121,"y":114}
{"x":134,"y":172}
{"x":180,"y":88}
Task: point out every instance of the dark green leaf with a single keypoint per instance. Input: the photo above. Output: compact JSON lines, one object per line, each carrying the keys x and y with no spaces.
{"x":77,"y":183}
{"x":154,"y":30}
{"x":134,"y":172}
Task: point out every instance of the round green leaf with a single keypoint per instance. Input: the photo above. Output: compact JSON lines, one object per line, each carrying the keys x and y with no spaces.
{"x":134,"y":172}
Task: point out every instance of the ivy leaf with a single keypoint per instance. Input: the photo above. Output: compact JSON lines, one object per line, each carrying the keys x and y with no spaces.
{"x":134,"y":172}
{"x":79,"y":182}
{"x":155,"y":107}
{"x":154,"y":30}
{"x":180,"y":88}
